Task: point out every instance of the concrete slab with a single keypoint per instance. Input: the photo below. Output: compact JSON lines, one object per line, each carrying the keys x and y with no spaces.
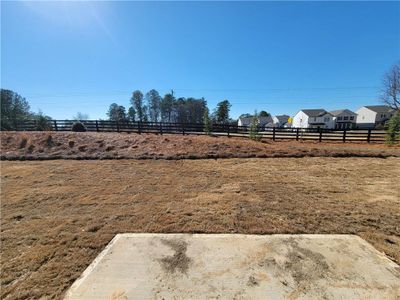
{"x":234,"y":266}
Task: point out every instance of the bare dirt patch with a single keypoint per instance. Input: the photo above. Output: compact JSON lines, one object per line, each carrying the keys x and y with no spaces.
{"x":57,"y":216}
{"x":93,"y":145}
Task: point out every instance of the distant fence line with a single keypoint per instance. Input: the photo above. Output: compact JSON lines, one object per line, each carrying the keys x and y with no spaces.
{"x":316,"y":134}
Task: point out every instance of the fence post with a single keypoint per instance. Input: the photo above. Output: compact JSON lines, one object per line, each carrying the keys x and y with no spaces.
{"x":117,"y":126}
{"x":55,"y":125}
{"x":160,"y":128}
{"x":97,"y":126}
{"x":139,"y":130}
{"x":369,"y":136}
{"x":228,"y":130}
{"x":320,"y":134}
{"x":183,"y":128}
{"x":273,"y":133}
{"x":297,"y":134}
{"x":344,"y":135}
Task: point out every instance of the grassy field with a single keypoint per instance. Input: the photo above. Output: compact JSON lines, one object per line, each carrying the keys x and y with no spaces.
{"x":57,"y":215}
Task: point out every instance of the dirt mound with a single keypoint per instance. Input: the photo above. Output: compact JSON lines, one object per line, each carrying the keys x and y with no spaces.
{"x":92,"y":145}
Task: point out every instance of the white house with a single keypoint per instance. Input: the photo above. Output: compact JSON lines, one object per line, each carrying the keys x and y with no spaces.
{"x":246,"y":121}
{"x":372,"y":116}
{"x":313,"y":118}
{"x":344,"y":118}
{"x":279,"y":121}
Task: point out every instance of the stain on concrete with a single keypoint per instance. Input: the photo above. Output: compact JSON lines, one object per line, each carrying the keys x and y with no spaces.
{"x":304,"y":264}
{"x":252,"y":281}
{"x":179,"y":261}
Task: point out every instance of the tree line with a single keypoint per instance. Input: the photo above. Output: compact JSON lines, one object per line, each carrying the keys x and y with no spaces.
{"x":152,"y":107}
{"x":15,"y":108}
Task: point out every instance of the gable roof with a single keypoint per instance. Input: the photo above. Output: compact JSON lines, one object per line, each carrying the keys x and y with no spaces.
{"x":282,"y":118}
{"x":335,"y":113}
{"x":315,"y":112}
{"x":262,"y":120}
{"x":379,"y":108}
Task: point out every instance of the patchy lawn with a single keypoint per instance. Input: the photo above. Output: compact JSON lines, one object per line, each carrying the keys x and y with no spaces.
{"x":57,"y":215}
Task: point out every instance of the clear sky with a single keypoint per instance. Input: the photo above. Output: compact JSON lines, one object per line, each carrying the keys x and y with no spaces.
{"x":66,"y":57}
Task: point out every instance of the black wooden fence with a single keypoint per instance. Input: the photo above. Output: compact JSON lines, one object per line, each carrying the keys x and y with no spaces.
{"x":316,"y":134}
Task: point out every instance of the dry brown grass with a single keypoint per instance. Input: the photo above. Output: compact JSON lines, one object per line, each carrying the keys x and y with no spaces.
{"x":58,"y":215}
{"x":92,"y":145}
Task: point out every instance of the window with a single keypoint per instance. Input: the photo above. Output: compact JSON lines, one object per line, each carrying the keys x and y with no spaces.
{"x":352,"y":118}
{"x":326,"y":119}
{"x":345,"y":118}
{"x":315,"y":119}
{"x":383,"y":116}
{"x":339,"y":118}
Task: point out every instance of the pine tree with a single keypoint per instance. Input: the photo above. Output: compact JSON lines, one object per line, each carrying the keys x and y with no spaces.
{"x":254,"y":134}
{"x":207,"y":121}
{"x":393,"y":129}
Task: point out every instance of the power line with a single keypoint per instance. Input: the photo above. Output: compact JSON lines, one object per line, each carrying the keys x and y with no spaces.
{"x":123,"y":92}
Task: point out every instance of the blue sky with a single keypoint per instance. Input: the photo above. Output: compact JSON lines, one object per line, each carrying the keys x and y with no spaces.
{"x":66,"y":57}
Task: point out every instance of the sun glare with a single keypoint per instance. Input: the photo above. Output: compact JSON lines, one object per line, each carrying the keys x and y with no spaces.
{"x":74,"y":14}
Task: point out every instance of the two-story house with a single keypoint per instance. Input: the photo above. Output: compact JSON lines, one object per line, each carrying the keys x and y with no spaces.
{"x":313,"y":118}
{"x":373,"y":116}
{"x":344,"y":119}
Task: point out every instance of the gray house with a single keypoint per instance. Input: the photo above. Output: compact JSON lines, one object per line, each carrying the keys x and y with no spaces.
{"x":373,"y":116}
{"x":344,"y":118}
{"x":246,"y":121}
{"x":279,"y":121}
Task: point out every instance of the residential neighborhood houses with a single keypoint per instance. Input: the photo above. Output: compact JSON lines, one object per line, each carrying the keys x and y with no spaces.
{"x":344,"y":119}
{"x":373,"y":116}
{"x":247,"y":120}
{"x":281,"y":121}
{"x":366,"y":117}
{"x":313,"y":118}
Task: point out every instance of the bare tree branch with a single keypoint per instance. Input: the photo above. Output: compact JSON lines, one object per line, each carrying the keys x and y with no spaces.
{"x":391,"y":87}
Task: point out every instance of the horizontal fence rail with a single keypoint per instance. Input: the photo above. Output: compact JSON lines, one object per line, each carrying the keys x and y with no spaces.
{"x":315,"y":134}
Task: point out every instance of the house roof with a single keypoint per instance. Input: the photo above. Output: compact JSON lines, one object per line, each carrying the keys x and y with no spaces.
{"x":315,"y":112}
{"x":261,"y":120}
{"x":338,"y":112}
{"x":379,"y":108}
{"x":282,"y":118}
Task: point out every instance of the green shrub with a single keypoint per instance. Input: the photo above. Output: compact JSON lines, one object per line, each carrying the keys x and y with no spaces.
{"x":393,"y":129}
{"x":207,"y":122}
{"x":43,"y":123}
{"x":254,"y":134}
{"x":78,"y":127}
